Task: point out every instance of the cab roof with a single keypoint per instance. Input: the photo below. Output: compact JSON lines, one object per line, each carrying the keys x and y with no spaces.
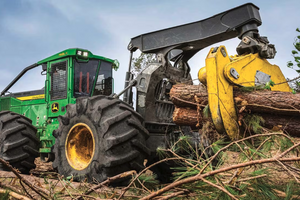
{"x":74,"y":52}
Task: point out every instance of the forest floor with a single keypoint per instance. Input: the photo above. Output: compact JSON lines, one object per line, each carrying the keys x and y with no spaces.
{"x":275,"y":180}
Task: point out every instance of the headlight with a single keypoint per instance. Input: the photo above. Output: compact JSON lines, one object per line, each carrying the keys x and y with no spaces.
{"x":79,"y":53}
{"x":116,"y":65}
{"x":85,"y":54}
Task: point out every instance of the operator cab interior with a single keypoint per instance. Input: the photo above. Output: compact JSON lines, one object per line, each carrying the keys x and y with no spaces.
{"x":86,"y":76}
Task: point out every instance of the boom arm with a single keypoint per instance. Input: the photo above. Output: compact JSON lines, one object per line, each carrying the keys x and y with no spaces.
{"x":241,"y":21}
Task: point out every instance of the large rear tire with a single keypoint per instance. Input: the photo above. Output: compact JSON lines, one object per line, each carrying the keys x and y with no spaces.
{"x":99,"y":137}
{"x":18,"y":141}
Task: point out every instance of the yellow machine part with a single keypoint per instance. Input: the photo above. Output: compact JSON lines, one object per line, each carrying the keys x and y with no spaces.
{"x":220,"y":93}
{"x":223,"y":72}
{"x":26,"y":98}
{"x":247,"y":68}
{"x":80,"y":146}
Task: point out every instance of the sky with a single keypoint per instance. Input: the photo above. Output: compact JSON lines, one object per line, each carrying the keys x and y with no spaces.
{"x":31,"y":30}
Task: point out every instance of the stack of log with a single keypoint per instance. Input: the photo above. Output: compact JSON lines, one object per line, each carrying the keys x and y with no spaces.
{"x":280,"y":110}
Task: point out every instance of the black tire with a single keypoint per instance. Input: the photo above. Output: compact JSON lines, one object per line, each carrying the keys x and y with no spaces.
{"x":118,"y":134}
{"x":18,"y":141}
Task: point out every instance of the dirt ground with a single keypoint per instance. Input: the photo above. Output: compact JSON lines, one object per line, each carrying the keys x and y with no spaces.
{"x":45,"y":176}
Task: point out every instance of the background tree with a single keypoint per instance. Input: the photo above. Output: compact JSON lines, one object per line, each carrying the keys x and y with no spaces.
{"x":140,"y":62}
{"x":296,"y":63}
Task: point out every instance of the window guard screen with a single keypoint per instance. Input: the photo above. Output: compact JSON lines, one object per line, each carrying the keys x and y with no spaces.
{"x":59,"y":80}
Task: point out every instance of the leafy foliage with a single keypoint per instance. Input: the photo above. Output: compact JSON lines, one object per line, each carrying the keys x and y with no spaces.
{"x":295,"y":54}
{"x":296,"y":63}
{"x":140,"y":62}
{"x":269,"y":85}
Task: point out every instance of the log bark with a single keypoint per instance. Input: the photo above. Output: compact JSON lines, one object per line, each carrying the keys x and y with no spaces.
{"x":280,"y":110}
{"x":185,"y":116}
{"x":260,"y":101}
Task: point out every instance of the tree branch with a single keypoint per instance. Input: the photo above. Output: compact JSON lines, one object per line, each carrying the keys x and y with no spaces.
{"x":14,"y":195}
{"x":211,"y":173}
{"x":38,"y":190}
{"x":109,"y":180}
{"x":126,"y":188}
{"x":219,"y":187}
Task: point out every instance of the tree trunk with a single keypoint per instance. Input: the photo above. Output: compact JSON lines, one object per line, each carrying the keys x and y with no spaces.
{"x":280,"y":110}
{"x":260,"y":101}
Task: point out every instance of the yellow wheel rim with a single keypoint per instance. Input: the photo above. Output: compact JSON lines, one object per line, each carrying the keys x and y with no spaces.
{"x":80,"y":146}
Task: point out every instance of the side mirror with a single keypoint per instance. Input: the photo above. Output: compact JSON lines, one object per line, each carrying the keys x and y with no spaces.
{"x":44,"y":67}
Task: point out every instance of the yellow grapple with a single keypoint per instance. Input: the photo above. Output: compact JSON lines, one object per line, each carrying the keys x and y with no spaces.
{"x":222,"y":73}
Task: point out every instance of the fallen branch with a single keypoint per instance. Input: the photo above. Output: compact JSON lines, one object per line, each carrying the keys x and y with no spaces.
{"x":250,"y":178}
{"x":126,"y":188}
{"x":80,"y":195}
{"x":211,"y":173}
{"x":10,"y":188}
{"x":200,"y":177}
{"x":38,"y":190}
{"x":175,"y":194}
{"x":289,"y":171}
{"x":219,"y":187}
{"x":29,"y":195}
{"x":14,"y":194}
{"x":109,"y":180}
{"x":247,"y":138}
{"x":240,"y":171}
{"x":33,"y":179}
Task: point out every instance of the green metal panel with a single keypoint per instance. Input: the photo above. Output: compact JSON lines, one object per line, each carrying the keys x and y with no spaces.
{"x":46,"y":137}
{"x":8,"y":102}
{"x":5,"y":103}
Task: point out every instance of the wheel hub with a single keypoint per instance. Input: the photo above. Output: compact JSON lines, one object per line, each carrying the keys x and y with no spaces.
{"x":80,"y":146}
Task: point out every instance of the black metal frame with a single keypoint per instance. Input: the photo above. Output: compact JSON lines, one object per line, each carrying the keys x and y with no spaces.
{"x":18,"y":77}
{"x":195,"y":36}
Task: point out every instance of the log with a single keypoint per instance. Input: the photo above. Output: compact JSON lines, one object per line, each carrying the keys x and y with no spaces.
{"x":185,"y":116}
{"x":260,"y":101}
{"x":280,"y":110}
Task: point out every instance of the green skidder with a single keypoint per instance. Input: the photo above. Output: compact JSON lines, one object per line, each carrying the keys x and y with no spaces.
{"x":72,"y":120}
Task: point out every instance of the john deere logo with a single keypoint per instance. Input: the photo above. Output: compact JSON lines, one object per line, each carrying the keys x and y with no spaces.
{"x":55,"y":107}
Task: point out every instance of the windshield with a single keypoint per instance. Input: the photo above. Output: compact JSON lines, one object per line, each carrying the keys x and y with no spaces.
{"x":84,"y":76}
{"x":104,"y":79}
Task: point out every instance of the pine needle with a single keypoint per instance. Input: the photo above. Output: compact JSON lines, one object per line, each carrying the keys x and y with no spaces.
{"x":206,"y":111}
{"x":5,"y":196}
{"x":254,"y":122}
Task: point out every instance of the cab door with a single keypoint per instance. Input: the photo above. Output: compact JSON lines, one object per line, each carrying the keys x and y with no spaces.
{"x":58,"y":88}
